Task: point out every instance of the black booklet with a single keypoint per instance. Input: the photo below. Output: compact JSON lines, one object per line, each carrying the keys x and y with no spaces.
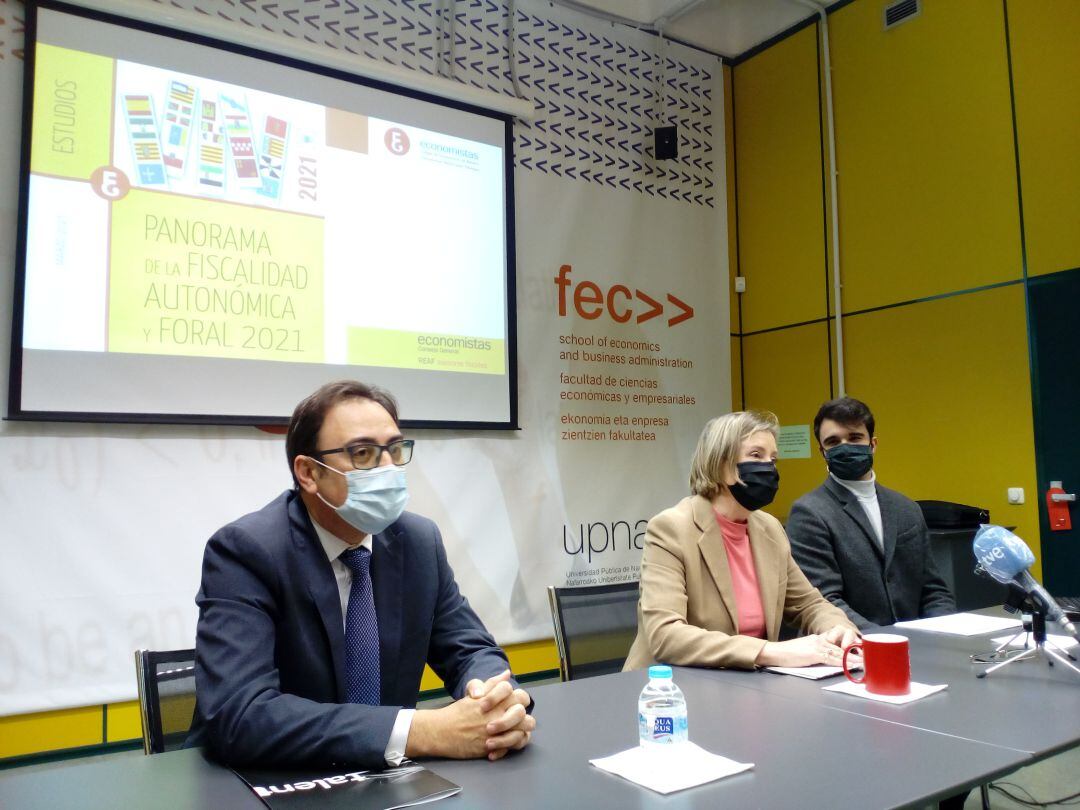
{"x":407,"y":785}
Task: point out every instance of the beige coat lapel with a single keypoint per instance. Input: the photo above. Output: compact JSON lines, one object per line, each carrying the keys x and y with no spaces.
{"x":766,"y":564}
{"x":711,"y":546}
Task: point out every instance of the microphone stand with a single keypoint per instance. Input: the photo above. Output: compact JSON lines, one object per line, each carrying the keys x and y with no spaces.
{"x":1035,"y":627}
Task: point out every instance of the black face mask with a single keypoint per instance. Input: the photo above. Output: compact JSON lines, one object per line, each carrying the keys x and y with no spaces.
{"x":760,"y":480}
{"x":850,"y":462}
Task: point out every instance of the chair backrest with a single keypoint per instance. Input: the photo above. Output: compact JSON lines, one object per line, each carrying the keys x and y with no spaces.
{"x":166,"y":697}
{"x":594,"y":627}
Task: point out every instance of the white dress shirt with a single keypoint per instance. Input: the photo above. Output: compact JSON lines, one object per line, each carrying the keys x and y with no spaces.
{"x":334,"y":546}
{"x":866,"y":492}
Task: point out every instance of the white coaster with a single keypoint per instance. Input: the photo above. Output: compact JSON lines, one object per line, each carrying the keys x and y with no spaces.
{"x":918,"y":691}
{"x":666,"y":769}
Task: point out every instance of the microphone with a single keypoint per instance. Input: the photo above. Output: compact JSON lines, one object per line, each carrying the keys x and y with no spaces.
{"x":1007,"y":558}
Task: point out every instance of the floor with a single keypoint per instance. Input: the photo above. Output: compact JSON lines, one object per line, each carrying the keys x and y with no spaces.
{"x":1053,"y":778}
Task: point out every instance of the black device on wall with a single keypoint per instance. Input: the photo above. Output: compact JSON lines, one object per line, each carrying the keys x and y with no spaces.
{"x":666,"y":142}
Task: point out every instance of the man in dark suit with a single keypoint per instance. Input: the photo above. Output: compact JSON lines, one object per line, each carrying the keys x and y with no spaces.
{"x":865,"y":547}
{"x":318,"y":612}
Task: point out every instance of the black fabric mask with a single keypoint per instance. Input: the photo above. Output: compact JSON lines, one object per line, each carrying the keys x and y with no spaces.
{"x":760,"y":480}
{"x":850,"y":462}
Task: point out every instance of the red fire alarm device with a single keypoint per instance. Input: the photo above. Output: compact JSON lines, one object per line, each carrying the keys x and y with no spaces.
{"x":1057,"y":507}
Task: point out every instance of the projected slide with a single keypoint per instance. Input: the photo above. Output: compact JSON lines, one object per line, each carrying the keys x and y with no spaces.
{"x":246,"y":225}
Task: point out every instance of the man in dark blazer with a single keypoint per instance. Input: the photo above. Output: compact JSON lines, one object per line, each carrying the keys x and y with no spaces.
{"x":303,"y":658}
{"x":865,"y":547}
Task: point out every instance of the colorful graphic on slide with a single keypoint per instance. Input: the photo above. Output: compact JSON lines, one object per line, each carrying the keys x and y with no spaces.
{"x":211,"y":149}
{"x":241,"y":144}
{"x":178,"y":113}
{"x":272,"y":156}
{"x":234,"y":227}
{"x":143,"y":133}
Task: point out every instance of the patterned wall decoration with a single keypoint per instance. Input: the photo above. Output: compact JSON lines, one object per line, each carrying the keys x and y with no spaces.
{"x":11,"y":30}
{"x":598,"y":89}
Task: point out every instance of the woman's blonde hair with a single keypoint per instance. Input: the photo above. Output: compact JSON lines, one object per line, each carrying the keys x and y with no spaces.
{"x":718,"y":448}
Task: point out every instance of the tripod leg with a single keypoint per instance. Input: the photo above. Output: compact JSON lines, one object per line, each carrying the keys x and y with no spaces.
{"x":1023,"y":656}
{"x":1049,"y":645}
{"x":1064,"y":661}
{"x":1005,"y":644}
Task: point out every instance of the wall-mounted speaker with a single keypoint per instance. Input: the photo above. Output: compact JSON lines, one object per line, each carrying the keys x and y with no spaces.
{"x":666,"y":142}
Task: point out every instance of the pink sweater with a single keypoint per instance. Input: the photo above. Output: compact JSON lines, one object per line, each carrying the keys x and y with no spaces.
{"x":751,"y":618}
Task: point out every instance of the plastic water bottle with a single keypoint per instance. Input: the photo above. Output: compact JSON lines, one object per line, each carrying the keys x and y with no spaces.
{"x":661,"y":710}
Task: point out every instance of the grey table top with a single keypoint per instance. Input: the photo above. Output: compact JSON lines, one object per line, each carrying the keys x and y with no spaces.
{"x":805,"y":754}
{"x":179,"y":780}
{"x":1029,"y":706}
{"x":809,"y":748}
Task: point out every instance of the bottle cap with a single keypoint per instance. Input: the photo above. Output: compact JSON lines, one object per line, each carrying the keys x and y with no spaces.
{"x":659,"y":671}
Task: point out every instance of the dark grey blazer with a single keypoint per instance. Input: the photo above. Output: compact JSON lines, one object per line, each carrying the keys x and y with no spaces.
{"x":834,"y":544}
{"x":270,"y":643}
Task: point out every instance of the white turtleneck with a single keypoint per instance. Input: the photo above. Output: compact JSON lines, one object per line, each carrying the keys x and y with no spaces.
{"x":866,"y":492}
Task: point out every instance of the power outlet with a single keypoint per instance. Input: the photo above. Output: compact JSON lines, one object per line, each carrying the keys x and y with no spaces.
{"x":1016,"y":495}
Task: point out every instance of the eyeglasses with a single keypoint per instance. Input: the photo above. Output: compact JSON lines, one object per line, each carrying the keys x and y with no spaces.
{"x":366,"y":456}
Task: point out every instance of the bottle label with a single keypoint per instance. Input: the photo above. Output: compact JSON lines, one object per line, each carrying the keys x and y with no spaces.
{"x":662,"y":729}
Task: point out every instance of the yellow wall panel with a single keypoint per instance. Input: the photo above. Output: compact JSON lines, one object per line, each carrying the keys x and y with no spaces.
{"x":123,"y":722}
{"x":533,"y":656}
{"x":49,"y":731}
{"x":778,"y":149}
{"x":949,"y":385}
{"x":927,"y":170}
{"x":787,"y":372}
{"x":1046,"y":67}
{"x":71,"y":728}
{"x":525,"y":658}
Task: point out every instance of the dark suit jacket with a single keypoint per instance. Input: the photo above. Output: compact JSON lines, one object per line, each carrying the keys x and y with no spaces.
{"x":834,"y":544}
{"x":270,"y":646}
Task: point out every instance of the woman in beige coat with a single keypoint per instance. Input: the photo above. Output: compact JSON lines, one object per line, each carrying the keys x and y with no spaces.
{"x":717,"y":576}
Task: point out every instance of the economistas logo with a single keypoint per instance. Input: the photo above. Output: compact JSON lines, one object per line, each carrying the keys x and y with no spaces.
{"x":396,"y":141}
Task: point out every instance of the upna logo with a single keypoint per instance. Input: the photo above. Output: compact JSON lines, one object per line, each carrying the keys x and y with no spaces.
{"x":396,"y":141}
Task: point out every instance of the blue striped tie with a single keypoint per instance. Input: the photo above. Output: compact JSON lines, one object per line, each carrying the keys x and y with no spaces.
{"x":361,"y":632}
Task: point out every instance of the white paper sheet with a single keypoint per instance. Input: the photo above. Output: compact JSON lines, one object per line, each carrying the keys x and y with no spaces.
{"x":670,"y":768}
{"x":918,"y":691}
{"x":816,"y":672}
{"x":962,"y":624}
{"x":1061,"y":642}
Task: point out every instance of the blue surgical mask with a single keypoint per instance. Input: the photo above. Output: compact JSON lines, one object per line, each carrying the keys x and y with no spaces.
{"x":376,"y":498}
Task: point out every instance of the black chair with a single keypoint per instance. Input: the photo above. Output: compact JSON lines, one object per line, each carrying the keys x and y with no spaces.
{"x":952,"y":528}
{"x":166,"y":697}
{"x":594,"y":627}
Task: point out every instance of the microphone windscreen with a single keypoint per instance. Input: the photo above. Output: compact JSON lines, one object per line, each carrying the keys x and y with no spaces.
{"x":1001,"y":553}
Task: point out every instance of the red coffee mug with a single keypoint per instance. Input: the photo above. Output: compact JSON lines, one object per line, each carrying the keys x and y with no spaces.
{"x":886,"y":667}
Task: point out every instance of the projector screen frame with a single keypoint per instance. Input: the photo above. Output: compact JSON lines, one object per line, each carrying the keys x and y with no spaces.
{"x":15,"y":411}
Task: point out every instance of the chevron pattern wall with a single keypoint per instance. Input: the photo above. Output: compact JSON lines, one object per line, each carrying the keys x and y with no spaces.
{"x":12,"y":19}
{"x":598,"y":90}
